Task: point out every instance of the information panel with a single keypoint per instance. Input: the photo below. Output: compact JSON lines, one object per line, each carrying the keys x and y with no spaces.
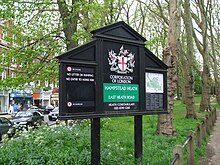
{"x":80,"y":89}
{"x":121,"y":83}
{"x":154,"y":91}
{"x":154,"y":101}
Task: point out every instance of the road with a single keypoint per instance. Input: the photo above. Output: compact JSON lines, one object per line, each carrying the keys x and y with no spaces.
{"x":46,"y":120}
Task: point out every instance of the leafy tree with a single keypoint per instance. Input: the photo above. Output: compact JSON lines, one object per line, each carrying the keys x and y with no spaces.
{"x":41,"y":30}
{"x":35,"y":39}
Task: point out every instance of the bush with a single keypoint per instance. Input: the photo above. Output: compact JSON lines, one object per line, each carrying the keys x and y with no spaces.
{"x":48,"y":145}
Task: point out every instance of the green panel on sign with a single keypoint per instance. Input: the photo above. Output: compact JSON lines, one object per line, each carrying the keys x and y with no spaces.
{"x":121,"y":92}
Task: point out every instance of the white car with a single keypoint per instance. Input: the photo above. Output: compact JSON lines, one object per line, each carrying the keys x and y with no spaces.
{"x":53,"y":115}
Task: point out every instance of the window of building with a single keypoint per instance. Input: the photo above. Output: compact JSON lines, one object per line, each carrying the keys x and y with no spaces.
{"x":13,"y":74}
{"x":38,"y":82}
{"x":4,"y":33}
{"x":46,"y":83}
{"x":14,"y":40}
{"x":13,"y":60}
{"x":3,"y":75}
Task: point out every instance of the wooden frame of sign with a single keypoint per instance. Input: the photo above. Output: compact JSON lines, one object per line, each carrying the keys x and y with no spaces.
{"x":113,"y":75}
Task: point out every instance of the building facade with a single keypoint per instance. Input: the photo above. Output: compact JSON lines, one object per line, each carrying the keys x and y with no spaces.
{"x":42,"y":98}
{"x":28,"y":96}
{"x":5,"y":71}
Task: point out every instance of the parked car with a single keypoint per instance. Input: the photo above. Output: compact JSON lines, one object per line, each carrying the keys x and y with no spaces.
{"x":36,"y":108}
{"x":53,"y":115}
{"x":28,"y":118}
{"x":48,"y":109}
{"x":5,"y":125}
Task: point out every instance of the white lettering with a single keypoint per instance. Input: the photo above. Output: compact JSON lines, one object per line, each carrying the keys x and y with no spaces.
{"x":75,"y":74}
{"x":128,"y":97}
{"x":76,"y":69}
{"x":112,"y":97}
{"x":132,"y":88}
{"x":74,"y":79}
{"x":88,"y":75}
{"x":117,"y":88}
{"x":121,"y":79}
{"x":85,"y":79}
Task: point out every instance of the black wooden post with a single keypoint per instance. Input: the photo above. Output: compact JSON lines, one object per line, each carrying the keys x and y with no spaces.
{"x":138,"y":139}
{"x":95,"y":141}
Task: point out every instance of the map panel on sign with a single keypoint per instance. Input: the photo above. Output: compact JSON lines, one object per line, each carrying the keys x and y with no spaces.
{"x":154,"y":82}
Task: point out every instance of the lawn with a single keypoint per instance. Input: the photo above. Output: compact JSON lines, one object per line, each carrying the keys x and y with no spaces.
{"x":156,"y":149}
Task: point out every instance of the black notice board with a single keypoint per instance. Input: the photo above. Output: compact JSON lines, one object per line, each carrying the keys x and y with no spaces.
{"x":80,"y":89}
{"x":112,"y":75}
{"x":154,"y":101}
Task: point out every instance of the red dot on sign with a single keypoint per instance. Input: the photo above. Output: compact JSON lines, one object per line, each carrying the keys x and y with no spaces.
{"x":69,"y":104}
{"x":69,"y":68}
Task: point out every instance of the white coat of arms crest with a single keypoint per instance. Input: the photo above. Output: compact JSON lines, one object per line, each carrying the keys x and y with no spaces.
{"x":123,"y":62}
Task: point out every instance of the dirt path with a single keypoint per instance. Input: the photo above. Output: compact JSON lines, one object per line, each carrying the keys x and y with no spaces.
{"x":213,"y":148}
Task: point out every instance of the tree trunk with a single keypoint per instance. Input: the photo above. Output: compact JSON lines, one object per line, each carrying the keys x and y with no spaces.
{"x":205,"y":103}
{"x":218,"y":92}
{"x":183,"y":83}
{"x":165,"y":124}
{"x":214,"y":57}
{"x":206,"y":76}
{"x":203,"y":49}
{"x":69,"y":19}
{"x":189,"y":83}
{"x":178,"y":96}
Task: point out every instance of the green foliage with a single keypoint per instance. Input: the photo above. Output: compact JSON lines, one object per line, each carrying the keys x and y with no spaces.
{"x":215,"y":105}
{"x":35,"y":40}
{"x":36,"y":35}
{"x":197,"y":83}
{"x":71,"y":144}
{"x":57,"y":145}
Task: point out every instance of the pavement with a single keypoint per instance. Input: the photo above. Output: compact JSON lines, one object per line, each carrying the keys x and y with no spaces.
{"x":5,"y":115}
{"x":46,"y":120}
{"x":212,"y":156}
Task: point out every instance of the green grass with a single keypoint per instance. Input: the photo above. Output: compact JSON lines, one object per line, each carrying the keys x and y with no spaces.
{"x":71,"y":145}
{"x":156,"y":149}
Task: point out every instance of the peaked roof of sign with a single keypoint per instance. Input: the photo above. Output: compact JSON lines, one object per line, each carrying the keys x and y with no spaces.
{"x":119,"y":30}
{"x":77,"y":50}
{"x":154,"y":60}
{"x":87,"y":51}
